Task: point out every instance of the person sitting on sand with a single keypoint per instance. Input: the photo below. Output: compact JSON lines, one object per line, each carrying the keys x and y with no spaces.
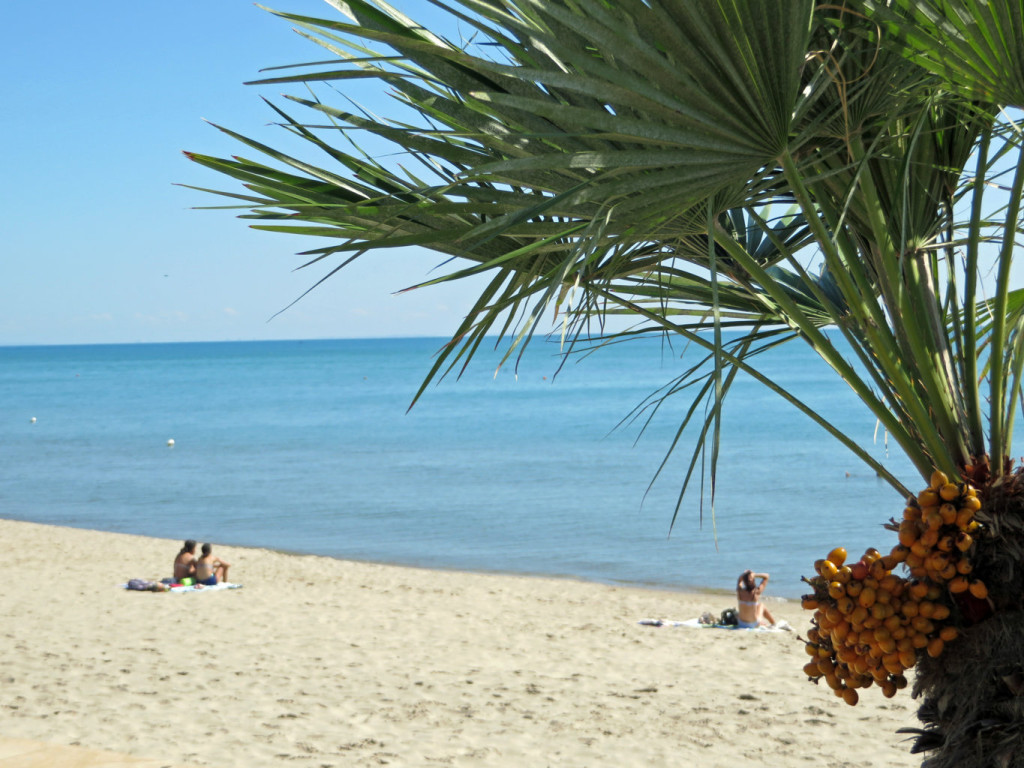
{"x":185,"y":562}
{"x":211,"y":570}
{"x":751,"y":612}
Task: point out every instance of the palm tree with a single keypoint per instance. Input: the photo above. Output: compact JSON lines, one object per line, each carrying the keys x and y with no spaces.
{"x":770,"y":169}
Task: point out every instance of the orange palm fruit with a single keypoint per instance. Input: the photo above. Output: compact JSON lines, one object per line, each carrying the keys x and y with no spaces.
{"x":877,"y":569}
{"x":912,"y":513}
{"x":958,"y":584}
{"x":859,"y":570}
{"x":836,"y":590}
{"x":948,"y":512}
{"x":888,"y":689}
{"x":963,"y":541}
{"x":964,"y":516}
{"x":826,"y":666}
{"x":908,"y":659}
{"x":808,"y":603}
{"x":940,"y":612}
{"x":845,"y":605}
{"x":922,"y":625}
{"x":979,"y":590}
{"x":919,"y":640}
{"x":854,"y":588}
{"x":928,"y":539}
{"x":811,"y":649}
{"x":811,"y":669}
{"x":928,"y":498}
{"x":948,"y":572}
{"x":935,"y":647}
{"x":949,"y":491}
{"x":926,"y":609}
{"x":841,"y":630}
{"x":938,"y":479}
{"x":945,"y":544}
{"x":971,"y":501}
{"x":837,"y":556}
{"x":918,"y":589}
{"x":881,"y":611}
{"x":847,"y":655}
{"x":948,"y":633}
{"x":892,"y":665}
{"x":850,"y":696}
{"x":828,"y":570}
{"x":899,"y":554}
{"x":866,"y":597}
{"x":833,"y":682}
{"x":860,"y":613}
{"x":963,"y":565}
{"x":934,"y":592}
{"x":845,"y":575}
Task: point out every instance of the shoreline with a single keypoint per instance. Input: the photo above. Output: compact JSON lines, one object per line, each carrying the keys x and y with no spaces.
{"x":691,"y":589}
{"x":321,"y":662}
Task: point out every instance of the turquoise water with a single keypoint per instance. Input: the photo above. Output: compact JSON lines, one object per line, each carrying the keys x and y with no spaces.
{"x":307,"y":446}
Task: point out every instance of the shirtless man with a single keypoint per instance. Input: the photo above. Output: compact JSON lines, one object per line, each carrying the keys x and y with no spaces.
{"x":751,"y":611}
{"x":185,"y":562}
{"x":211,"y":570}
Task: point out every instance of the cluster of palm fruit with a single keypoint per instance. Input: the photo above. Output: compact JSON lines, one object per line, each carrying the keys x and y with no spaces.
{"x":870,"y":624}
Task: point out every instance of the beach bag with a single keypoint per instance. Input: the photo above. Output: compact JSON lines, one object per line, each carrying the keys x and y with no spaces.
{"x":140,"y":585}
{"x":729,"y":618}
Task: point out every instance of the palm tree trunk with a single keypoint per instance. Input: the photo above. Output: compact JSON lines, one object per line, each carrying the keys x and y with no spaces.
{"x":972,"y":705}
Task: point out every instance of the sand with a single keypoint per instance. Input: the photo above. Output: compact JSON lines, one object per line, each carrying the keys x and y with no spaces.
{"x":320,"y":662}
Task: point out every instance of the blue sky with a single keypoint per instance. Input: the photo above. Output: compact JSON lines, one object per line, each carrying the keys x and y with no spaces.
{"x":100,"y":245}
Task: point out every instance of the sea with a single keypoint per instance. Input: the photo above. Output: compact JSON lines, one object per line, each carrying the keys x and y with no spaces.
{"x":539,"y":465}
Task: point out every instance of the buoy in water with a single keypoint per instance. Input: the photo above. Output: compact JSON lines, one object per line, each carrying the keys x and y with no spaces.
{"x":32,"y":420}
{"x":170,"y":443}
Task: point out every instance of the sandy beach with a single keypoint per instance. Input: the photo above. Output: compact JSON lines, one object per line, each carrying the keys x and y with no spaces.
{"x":320,"y":662}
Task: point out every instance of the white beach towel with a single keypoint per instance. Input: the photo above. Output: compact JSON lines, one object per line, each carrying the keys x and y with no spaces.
{"x":780,"y":626}
{"x":181,"y":588}
{"x":201,"y":588}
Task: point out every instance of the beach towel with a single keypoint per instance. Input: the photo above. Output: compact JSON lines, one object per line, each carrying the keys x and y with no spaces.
{"x":154,"y":586}
{"x":201,"y":588}
{"x":780,"y":626}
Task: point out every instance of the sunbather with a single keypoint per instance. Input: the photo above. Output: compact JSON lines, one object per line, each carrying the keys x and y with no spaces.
{"x":211,"y":570}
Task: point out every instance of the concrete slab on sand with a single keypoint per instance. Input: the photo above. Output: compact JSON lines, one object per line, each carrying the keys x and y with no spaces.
{"x":24,"y":753}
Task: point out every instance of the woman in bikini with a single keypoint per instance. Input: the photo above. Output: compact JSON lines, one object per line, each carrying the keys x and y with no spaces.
{"x":185,"y":562}
{"x":752,"y":612}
